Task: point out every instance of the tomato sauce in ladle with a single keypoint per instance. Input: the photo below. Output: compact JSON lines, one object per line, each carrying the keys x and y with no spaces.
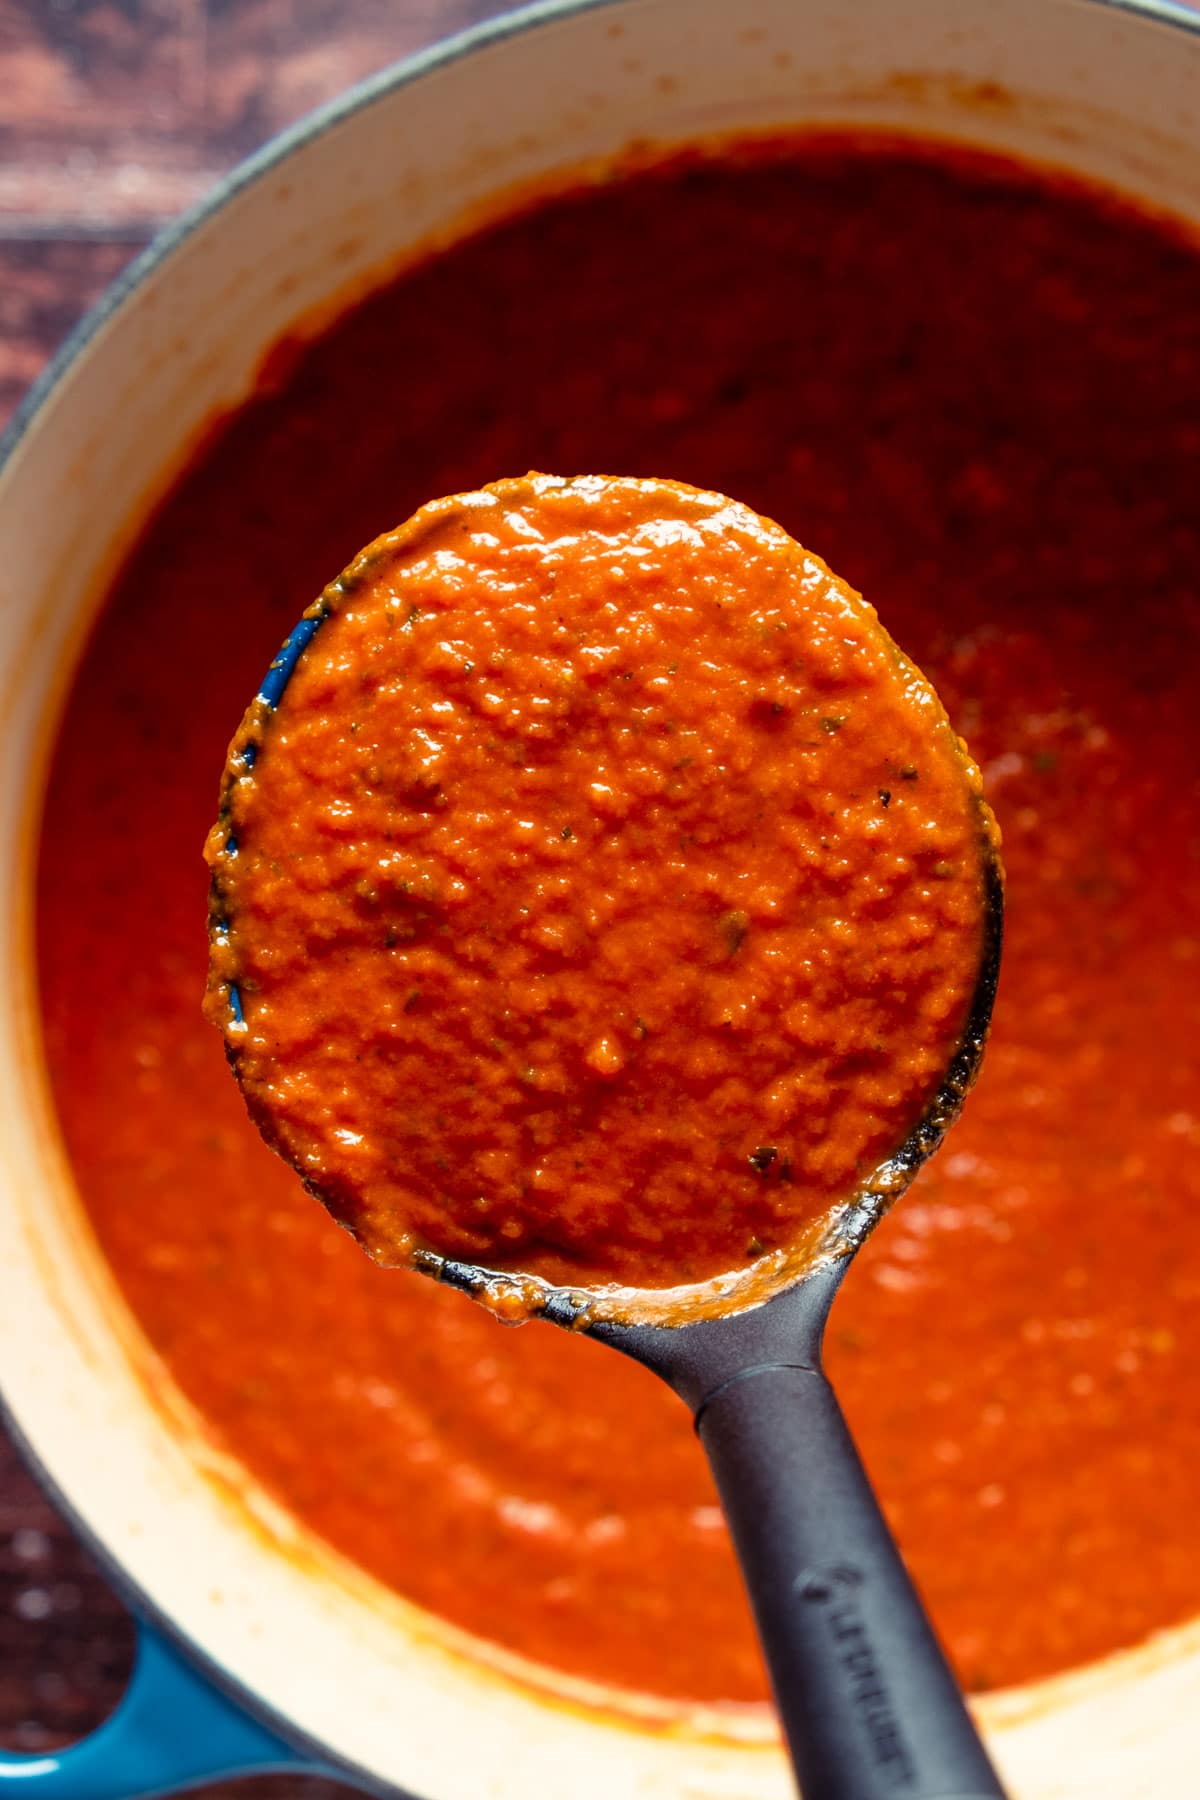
{"x":605,"y":920}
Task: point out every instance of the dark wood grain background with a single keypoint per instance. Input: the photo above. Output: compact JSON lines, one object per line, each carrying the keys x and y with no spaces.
{"x":114,"y":115}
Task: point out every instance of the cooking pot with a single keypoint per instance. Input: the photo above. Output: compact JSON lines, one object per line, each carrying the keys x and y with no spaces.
{"x":259,"y":1647}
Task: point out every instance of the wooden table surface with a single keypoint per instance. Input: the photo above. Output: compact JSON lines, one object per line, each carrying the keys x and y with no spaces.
{"x":115,"y":115}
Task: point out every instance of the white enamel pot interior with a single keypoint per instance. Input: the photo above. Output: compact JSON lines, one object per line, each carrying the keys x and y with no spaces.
{"x":1096,"y":87}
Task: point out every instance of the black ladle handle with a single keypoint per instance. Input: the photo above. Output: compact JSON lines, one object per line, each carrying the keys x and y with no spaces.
{"x":864,"y":1692}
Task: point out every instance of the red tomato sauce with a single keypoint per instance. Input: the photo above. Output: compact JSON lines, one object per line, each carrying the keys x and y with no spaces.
{"x":605,"y":897}
{"x":975,"y":392}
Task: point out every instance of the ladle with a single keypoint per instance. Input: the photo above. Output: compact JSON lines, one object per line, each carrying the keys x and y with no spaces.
{"x":868,"y":1702}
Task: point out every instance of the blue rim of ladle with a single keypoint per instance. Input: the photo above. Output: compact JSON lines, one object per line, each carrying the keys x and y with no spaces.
{"x":270,"y":693}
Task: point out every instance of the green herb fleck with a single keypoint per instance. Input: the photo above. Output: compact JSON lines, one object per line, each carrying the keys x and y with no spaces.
{"x":733,"y":927}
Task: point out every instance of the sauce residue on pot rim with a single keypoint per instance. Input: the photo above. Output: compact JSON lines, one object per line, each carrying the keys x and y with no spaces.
{"x":604,"y":897}
{"x":975,"y":388}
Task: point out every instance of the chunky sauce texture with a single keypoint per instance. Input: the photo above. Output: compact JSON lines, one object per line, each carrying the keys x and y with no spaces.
{"x":976,"y":393}
{"x":604,"y":898}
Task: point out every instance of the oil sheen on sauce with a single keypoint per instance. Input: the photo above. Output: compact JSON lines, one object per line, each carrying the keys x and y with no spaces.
{"x":974,"y":391}
{"x":605,"y":898}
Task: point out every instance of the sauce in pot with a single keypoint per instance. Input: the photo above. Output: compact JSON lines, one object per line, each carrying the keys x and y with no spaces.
{"x":975,"y":391}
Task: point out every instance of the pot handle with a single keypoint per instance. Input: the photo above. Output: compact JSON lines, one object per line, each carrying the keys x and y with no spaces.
{"x":171,"y":1730}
